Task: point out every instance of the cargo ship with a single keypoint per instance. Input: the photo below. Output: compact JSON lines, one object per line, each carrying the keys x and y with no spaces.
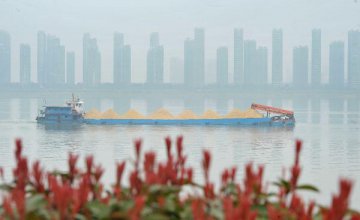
{"x":73,"y":112}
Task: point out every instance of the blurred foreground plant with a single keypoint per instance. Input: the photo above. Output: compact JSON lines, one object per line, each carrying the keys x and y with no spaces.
{"x":160,"y":190}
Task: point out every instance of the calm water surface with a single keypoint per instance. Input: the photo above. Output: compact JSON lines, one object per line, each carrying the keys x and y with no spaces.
{"x":330,"y":129}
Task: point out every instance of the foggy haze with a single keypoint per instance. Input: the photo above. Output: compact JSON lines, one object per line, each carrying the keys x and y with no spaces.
{"x":175,"y":21}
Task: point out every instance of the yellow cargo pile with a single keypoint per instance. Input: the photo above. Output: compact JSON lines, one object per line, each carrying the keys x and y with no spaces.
{"x":93,"y":113}
{"x":110,"y":114}
{"x":161,"y":114}
{"x":132,"y":114}
{"x":210,"y":114}
{"x":164,"y":114}
{"x":187,"y":114}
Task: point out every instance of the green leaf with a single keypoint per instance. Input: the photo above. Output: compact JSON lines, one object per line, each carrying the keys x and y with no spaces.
{"x":283,"y":183}
{"x":261,"y":210}
{"x":80,"y":217}
{"x":35,"y":202}
{"x":155,"y":216}
{"x":5,"y":187}
{"x":98,"y":210}
{"x":307,"y":187}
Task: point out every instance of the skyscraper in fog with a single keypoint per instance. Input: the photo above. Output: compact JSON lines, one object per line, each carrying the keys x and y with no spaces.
{"x":70,"y":68}
{"x":277,"y":57}
{"x":262,"y":66}
{"x":25,"y":63}
{"x":50,"y":59}
{"x":194,"y":59}
{"x":300,"y":66}
{"x":354,"y":58}
{"x":55,"y":61}
{"x":316,"y":57}
{"x":336,"y":64}
{"x":155,"y":60}
{"x":238,"y":56}
{"x":91,"y":61}
{"x":176,"y":70}
{"x":5,"y":57}
{"x":41,"y":56}
{"x":122,"y":60}
{"x":222,"y":72}
{"x":250,"y":64}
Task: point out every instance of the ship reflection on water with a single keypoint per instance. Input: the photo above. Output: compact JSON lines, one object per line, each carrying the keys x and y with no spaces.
{"x":61,"y":127}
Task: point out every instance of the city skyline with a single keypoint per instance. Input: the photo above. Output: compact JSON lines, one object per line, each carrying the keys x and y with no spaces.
{"x":51,"y":59}
{"x":174,"y":20}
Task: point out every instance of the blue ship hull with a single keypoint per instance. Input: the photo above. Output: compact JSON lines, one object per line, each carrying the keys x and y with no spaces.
{"x":223,"y":121}
{"x":59,"y":120}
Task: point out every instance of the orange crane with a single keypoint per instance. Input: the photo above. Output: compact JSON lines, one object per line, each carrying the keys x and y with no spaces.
{"x":270,"y":109}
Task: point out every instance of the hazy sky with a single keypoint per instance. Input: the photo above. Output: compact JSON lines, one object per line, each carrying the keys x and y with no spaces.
{"x":175,"y":21}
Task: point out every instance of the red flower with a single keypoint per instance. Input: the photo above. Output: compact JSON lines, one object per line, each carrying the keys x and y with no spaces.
{"x":149,"y":162}
{"x":189,"y":172}
{"x":197,"y":207}
{"x":224,"y":177}
{"x":168,"y":146}
{"x":135,"y":212}
{"x":297,"y":152}
{"x":84,"y":190}
{"x":119,"y":172}
{"x":38,"y":177}
{"x":1,"y":173}
{"x":273,"y":213}
{"x":138,"y":143}
{"x":72,"y":165}
{"x":98,"y":172}
{"x":8,"y":210}
{"x":179,"y":146}
{"x":18,"y":196}
{"x":89,"y":163}
{"x":233,"y":174}
{"x":135,"y":182}
{"x":295,"y":173}
{"x":161,"y":201}
{"x":340,"y":203}
{"x":206,"y":164}
{"x":355,"y":217}
{"x":21,"y":173}
{"x":18,"y":149}
{"x":209,"y":191}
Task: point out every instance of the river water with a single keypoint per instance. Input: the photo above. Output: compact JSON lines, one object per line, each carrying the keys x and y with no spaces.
{"x":330,"y":129}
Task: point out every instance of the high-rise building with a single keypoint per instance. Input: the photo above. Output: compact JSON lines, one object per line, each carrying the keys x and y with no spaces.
{"x":337,"y":64}
{"x":354,"y":58}
{"x":41,"y":57}
{"x":238,"y":56}
{"x":194,"y":59}
{"x":5,"y":57}
{"x":122,"y":60}
{"x":70,"y":68}
{"x":262,"y":66}
{"x":176,"y":70}
{"x":155,"y":60}
{"x":55,"y":61}
{"x":91,"y":61}
{"x":300,"y":66}
{"x":250,"y":64}
{"x":316,"y":57}
{"x":50,"y":59}
{"x":25,"y":63}
{"x":277,"y":57}
{"x":222,"y":72}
